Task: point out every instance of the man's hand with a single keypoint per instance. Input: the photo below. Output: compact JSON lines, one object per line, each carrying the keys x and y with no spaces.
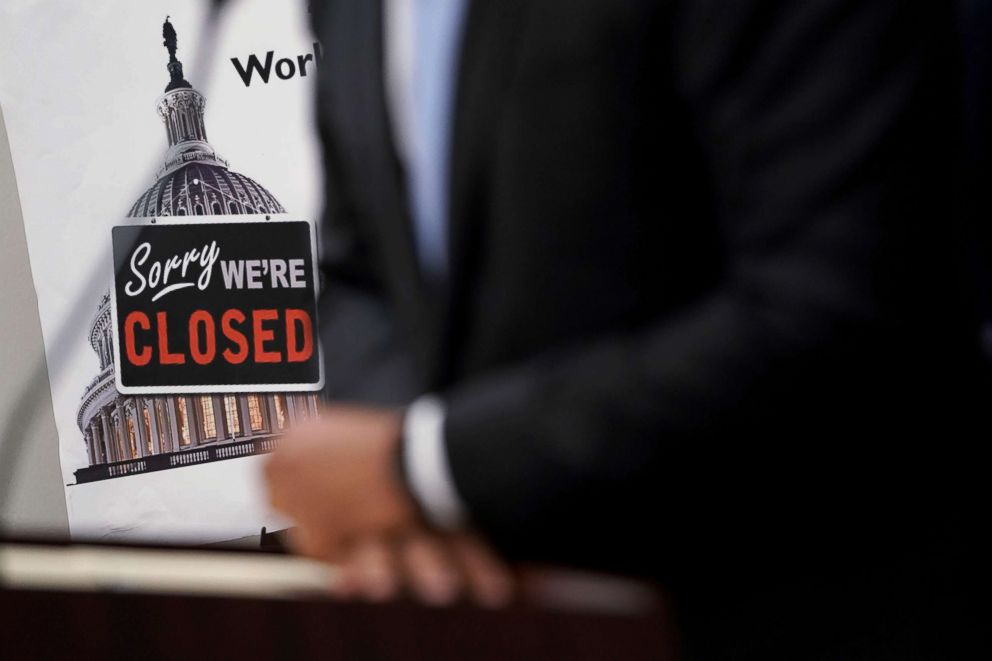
{"x":436,"y":569}
{"x":337,"y":480}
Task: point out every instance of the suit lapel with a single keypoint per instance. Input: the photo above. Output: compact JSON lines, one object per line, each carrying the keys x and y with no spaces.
{"x":356,"y":55}
{"x":486,"y":67}
{"x":488,"y":63}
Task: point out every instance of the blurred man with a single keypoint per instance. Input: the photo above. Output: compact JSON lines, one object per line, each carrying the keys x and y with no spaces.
{"x":660,"y":288}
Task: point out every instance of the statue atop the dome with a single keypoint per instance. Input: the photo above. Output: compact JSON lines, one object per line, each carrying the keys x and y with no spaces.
{"x":175,"y":66}
{"x":169,"y":34}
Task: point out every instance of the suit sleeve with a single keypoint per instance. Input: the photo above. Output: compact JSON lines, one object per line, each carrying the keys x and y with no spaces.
{"x":809,"y":117}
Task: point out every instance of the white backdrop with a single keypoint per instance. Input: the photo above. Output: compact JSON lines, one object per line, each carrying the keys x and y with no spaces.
{"x":79,"y":84}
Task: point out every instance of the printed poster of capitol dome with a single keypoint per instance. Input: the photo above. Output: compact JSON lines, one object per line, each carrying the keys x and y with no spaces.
{"x":129,"y":435}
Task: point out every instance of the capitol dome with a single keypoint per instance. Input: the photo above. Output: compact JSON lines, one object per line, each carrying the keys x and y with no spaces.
{"x":203,"y":188}
{"x":194,"y":180}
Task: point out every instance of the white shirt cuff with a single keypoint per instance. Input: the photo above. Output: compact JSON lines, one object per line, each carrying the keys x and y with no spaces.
{"x":425,"y":463}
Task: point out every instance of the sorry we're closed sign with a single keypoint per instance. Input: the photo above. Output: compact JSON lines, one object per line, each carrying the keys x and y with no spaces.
{"x":216,"y":307}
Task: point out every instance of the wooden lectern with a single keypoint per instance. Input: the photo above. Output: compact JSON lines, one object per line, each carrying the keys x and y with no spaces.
{"x":83,"y":602}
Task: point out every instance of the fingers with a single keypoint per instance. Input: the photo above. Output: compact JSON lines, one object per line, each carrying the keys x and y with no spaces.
{"x":433,"y":569}
{"x":490,"y":581}
{"x":369,"y":573}
{"x":431,"y":572}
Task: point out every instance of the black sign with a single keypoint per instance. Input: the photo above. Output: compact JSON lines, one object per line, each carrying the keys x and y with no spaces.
{"x":215,"y":307}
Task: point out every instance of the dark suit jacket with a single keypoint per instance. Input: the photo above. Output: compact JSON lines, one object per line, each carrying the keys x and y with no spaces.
{"x":703,"y":302}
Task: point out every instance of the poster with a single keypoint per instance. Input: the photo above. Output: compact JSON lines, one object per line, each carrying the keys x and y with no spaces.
{"x":119,"y":113}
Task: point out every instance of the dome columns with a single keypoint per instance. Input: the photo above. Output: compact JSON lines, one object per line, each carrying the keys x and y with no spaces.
{"x":181,"y":111}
